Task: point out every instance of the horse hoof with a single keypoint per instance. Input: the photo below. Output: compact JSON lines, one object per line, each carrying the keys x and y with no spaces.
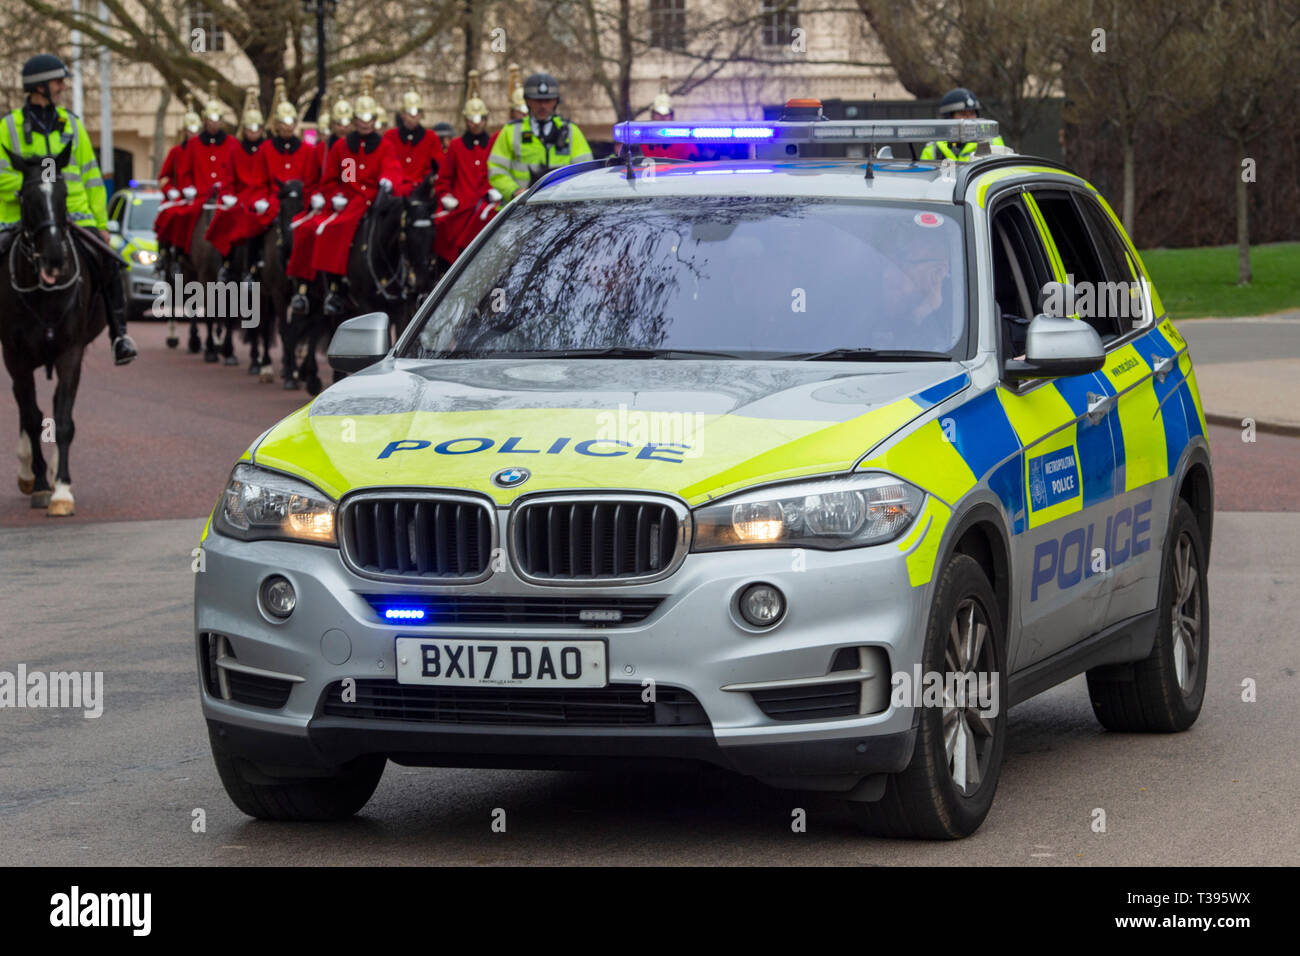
{"x":195,"y":346}
{"x":313,"y":386}
{"x":25,"y":485}
{"x":172,"y":342}
{"x":211,"y":357}
{"x":253,"y":367}
{"x":266,"y":376}
{"x":291,"y":385}
{"x":61,"y":508}
{"x":230,"y":360}
{"x":41,"y":499}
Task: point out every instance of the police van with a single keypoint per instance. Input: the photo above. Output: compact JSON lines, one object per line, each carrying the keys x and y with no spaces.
{"x":807,"y":468}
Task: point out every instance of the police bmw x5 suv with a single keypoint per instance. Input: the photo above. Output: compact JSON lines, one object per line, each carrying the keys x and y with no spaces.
{"x":806,"y":468}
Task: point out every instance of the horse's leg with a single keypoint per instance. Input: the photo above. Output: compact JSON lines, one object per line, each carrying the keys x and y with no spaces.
{"x":65,"y":395}
{"x":289,"y":331}
{"x":228,"y":356}
{"x":267,"y":330}
{"x":32,"y":479}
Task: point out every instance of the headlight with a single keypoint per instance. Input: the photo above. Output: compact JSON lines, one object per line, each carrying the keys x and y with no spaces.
{"x":144,"y":257}
{"x":830,"y":513}
{"x":264,"y":504}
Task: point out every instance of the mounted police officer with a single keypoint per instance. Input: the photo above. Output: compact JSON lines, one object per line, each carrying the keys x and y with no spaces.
{"x":959,"y":103}
{"x":42,"y":128}
{"x":528,"y":148}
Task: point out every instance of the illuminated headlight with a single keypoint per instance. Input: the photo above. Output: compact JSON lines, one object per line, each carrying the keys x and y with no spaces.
{"x":264,"y":504}
{"x":828,"y":513}
{"x":144,"y":257}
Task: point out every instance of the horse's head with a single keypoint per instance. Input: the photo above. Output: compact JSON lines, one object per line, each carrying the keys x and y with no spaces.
{"x":43,"y":211}
{"x":418,"y":209}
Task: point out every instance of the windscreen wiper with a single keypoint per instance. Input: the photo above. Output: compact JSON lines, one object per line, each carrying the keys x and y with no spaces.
{"x":868,"y":355}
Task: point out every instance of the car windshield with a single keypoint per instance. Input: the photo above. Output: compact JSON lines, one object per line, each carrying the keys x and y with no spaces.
{"x":141,"y":211}
{"x":731,"y":276}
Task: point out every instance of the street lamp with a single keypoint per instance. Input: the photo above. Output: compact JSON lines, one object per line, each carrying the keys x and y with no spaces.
{"x":320,"y":8}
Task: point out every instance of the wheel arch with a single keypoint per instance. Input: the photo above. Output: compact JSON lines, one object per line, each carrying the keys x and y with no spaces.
{"x":1195,"y":485}
{"x":981,"y":533}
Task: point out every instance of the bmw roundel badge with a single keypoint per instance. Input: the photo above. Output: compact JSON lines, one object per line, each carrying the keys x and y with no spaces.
{"x":511,"y":477}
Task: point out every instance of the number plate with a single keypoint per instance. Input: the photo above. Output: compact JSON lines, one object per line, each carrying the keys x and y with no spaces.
{"x":458,"y":662}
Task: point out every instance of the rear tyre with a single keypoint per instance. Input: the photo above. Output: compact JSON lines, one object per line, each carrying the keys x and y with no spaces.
{"x":1164,"y":692}
{"x":305,"y":799}
{"x":947,"y":790}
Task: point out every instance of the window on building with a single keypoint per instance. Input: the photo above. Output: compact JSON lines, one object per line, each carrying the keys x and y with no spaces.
{"x":780,"y":18}
{"x":213,"y":37}
{"x":668,"y":24}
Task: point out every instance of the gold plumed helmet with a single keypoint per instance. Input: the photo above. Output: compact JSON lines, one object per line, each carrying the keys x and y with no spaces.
{"x":517,"y":90}
{"x":252,"y":119}
{"x":475,"y":109}
{"x":282,"y":111}
{"x":663,"y":103}
{"x":213,"y":109}
{"x":411,"y":102}
{"x":341,"y":112}
{"x":366,"y":109}
{"x":191,"y":122}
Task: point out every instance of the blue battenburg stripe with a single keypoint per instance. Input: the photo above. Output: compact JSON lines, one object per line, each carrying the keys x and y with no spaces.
{"x":1180,"y":418}
{"x":937,"y":393}
{"x":1096,"y":446}
{"x":1008,"y":483}
{"x":983,"y":435}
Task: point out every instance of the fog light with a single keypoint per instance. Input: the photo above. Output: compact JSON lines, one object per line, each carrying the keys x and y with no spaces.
{"x":762,"y":605}
{"x":278,"y":596}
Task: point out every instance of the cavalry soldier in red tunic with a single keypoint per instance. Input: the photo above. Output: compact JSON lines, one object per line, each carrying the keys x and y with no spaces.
{"x":235,"y":221}
{"x":304,"y":226}
{"x":467,"y":200}
{"x":358,"y":169}
{"x":170,"y":180}
{"x":418,"y":149}
{"x":208,"y":166}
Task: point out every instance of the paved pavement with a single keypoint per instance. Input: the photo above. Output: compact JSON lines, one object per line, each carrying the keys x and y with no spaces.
{"x":1248,"y":368}
{"x":123,"y":788}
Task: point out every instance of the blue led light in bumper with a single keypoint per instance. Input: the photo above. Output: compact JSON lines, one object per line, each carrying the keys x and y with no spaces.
{"x":405,"y":613}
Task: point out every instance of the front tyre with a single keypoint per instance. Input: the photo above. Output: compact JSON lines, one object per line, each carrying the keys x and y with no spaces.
{"x":1164,"y":693}
{"x":311,"y":799}
{"x":947,"y":789}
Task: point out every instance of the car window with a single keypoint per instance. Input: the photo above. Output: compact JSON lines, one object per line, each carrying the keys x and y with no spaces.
{"x":1020,"y":269}
{"x":115,"y":208}
{"x":142,"y":211}
{"x":751,"y":276}
{"x":1123,"y":297}
{"x":1084,"y":269}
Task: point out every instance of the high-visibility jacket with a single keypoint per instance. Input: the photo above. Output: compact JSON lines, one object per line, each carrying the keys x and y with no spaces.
{"x":520,"y":156}
{"x":943,"y":150}
{"x":87,"y":198}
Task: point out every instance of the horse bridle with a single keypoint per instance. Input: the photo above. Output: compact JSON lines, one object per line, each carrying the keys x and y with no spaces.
{"x":26,"y":243}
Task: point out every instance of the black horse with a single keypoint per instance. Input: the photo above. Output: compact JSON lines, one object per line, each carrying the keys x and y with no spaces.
{"x":49,"y":313}
{"x":300,"y":333}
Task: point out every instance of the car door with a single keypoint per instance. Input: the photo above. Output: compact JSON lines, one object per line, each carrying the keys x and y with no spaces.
{"x":1067,"y":457}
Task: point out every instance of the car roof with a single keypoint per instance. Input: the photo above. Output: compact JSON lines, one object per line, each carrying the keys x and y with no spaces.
{"x":892,"y":180}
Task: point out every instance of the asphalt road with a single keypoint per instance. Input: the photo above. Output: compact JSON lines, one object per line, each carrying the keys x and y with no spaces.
{"x":105,"y":592}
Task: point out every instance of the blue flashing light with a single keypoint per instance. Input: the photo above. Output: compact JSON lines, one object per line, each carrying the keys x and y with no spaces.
{"x":405,"y":614}
{"x":671,"y":132}
{"x":133,"y":183}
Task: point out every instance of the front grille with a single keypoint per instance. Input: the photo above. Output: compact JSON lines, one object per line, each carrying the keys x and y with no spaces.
{"x":816,"y":702}
{"x":588,"y":540}
{"x":614,"y":706}
{"x":490,"y":609}
{"x":414,"y":536}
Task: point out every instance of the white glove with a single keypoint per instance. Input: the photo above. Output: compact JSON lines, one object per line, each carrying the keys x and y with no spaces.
{"x":189,"y":192}
{"x":385,"y":184}
{"x":450,"y":202}
{"x":317,"y":200}
{"x":228,"y":200}
{"x":261,"y":206}
{"x":494,"y":195}
{"x":340,"y":202}
{"x":173,"y":194}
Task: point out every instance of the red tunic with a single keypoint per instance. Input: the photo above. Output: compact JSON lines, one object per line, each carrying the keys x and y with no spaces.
{"x":304,"y":226}
{"x":464,"y":176}
{"x":353,"y":169}
{"x":210,"y":170}
{"x":672,"y":151}
{"x":169,"y":178}
{"x":232,"y":224}
{"x":419,"y":151}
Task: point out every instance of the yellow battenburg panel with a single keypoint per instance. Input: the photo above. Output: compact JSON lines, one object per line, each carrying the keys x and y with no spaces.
{"x":1140,"y":416}
{"x":921,"y":559}
{"x":569,"y":448}
{"x":930,"y":461}
{"x":1035,"y":416}
{"x":1195,"y":392}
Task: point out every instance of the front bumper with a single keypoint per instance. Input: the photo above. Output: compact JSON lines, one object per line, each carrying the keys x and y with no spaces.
{"x":854,"y":599}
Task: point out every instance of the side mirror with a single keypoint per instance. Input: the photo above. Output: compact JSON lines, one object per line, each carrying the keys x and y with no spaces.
{"x":114,"y":227}
{"x":359,"y":342}
{"x":1056,"y":346}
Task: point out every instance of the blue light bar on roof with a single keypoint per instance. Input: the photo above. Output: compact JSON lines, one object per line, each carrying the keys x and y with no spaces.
{"x":809,"y":131}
